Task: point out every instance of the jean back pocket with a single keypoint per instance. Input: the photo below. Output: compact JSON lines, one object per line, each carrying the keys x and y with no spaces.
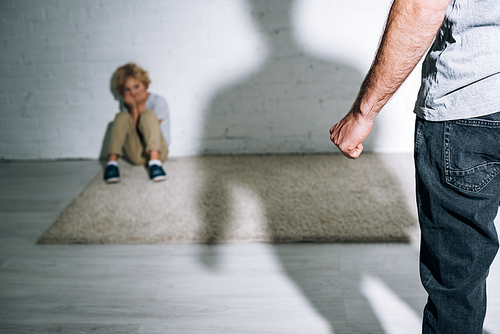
{"x":471,"y":153}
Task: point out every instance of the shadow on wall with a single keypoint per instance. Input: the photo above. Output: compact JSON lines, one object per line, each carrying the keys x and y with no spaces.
{"x":288,"y":105}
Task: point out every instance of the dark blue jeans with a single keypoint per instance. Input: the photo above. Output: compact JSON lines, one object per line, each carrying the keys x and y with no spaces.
{"x":458,"y":193}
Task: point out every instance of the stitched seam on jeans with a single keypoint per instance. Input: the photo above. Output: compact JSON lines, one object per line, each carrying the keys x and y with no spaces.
{"x":472,"y":170}
{"x":446,"y":148}
{"x":475,"y":188}
{"x":418,"y":132}
{"x":479,"y":122}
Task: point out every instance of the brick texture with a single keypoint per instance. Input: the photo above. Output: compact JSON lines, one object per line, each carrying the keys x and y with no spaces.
{"x":239,"y":75}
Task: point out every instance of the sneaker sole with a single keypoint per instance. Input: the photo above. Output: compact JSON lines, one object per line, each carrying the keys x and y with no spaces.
{"x":113,"y":180}
{"x":159,"y":178}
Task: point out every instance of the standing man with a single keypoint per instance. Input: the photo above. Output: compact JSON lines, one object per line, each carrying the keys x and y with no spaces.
{"x":457,"y":144}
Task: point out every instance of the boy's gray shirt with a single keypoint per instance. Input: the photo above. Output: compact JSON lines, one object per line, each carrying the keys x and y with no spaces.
{"x":159,"y":105}
{"x":461,"y":72}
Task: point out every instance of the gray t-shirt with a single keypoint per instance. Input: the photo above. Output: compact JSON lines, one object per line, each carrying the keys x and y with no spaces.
{"x":159,"y":105}
{"x":461,"y":72}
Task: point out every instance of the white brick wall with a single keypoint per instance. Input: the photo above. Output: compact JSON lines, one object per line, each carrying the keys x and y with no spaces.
{"x":239,"y":75}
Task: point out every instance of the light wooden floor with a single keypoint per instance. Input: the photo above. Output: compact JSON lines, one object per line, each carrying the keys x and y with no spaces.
{"x":233,"y":288}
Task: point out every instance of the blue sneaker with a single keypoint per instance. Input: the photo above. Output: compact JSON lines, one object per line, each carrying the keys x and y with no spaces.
{"x":111,"y":174}
{"x":156,"y":173}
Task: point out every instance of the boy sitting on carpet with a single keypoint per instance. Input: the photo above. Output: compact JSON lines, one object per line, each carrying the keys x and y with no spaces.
{"x":142,"y":128}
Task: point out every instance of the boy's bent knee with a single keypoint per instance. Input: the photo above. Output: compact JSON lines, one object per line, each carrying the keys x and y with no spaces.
{"x":148,"y":116}
{"x":123,"y":118}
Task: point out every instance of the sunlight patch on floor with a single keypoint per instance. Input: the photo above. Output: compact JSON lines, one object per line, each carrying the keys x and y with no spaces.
{"x":395,"y":315}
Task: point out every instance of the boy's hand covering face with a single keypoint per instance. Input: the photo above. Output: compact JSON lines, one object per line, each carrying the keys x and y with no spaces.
{"x":135,"y":93}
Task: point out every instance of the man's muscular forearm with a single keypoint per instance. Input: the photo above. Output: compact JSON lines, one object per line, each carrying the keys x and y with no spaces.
{"x":410,"y":30}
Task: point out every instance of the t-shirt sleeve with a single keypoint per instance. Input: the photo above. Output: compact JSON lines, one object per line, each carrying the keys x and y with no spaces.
{"x":160,"y":107}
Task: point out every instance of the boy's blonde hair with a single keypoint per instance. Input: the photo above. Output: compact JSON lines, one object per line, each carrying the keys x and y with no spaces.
{"x":123,"y":72}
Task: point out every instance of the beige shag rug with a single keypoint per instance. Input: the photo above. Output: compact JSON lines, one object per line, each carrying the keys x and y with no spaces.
{"x":280,"y":198}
